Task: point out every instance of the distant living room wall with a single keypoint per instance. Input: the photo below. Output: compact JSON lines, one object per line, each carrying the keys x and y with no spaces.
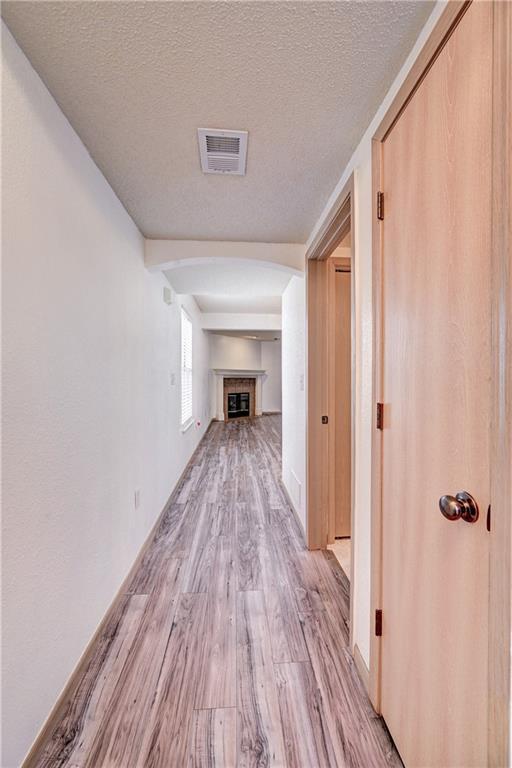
{"x":238,"y":353}
{"x":294,"y":396}
{"x":271,"y":363}
{"x":234,"y":352}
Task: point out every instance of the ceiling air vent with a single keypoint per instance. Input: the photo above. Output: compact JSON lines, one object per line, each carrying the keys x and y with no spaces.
{"x":222,"y":151}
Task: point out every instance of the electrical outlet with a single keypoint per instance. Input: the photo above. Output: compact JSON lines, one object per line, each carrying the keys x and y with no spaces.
{"x":301,"y":382}
{"x":136,"y":498}
{"x":172,"y":379}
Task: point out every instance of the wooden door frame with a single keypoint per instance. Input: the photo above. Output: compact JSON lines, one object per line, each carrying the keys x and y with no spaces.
{"x":319,"y":437}
{"x":334,"y":263}
{"x":500,"y":626}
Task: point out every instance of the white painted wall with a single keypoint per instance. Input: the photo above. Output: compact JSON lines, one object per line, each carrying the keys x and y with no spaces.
{"x":166,"y":254}
{"x":360,"y":164}
{"x":293,"y":345}
{"x":89,"y":413}
{"x":234,"y":352}
{"x":271,"y":363}
{"x":233,"y":321}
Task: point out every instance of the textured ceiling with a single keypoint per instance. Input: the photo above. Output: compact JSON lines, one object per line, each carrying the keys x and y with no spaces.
{"x":136,"y":79}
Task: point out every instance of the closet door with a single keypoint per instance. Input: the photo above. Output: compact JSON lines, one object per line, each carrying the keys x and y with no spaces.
{"x":436,"y":337}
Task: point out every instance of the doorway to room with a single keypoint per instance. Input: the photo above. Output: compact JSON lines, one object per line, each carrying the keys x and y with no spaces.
{"x":340,"y":396}
{"x":331,"y":367}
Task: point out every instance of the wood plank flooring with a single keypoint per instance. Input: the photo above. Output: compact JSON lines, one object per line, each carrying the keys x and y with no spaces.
{"x":230,"y":645}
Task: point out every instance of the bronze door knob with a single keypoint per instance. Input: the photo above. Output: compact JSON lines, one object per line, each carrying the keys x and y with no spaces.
{"x":461,"y":506}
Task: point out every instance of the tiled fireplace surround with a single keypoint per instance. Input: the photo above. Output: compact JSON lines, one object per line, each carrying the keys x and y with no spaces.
{"x":233,"y":380}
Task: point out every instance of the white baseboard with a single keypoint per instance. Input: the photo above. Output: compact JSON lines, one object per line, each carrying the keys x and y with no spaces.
{"x":362,"y":669}
{"x":294,"y":510}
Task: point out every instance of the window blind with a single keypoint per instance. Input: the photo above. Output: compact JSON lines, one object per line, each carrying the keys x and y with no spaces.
{"x":186,"y":368}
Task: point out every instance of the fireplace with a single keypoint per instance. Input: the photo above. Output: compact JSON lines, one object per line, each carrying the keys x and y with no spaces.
{"x":244,"y":383}
{"x":238,"y":404}
{"x":239,"y":398}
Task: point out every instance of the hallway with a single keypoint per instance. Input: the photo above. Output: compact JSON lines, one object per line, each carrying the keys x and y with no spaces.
{"x":225,"y":650}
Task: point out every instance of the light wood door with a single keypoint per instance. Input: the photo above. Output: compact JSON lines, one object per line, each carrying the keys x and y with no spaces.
{"x":436,"y":241}
{"x":342,"y":403}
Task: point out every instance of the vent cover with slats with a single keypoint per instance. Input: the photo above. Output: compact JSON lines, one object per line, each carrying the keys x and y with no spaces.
{"x":222,"y":151}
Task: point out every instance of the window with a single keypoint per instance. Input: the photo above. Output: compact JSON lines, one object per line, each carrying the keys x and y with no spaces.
{"x":186,"y":369}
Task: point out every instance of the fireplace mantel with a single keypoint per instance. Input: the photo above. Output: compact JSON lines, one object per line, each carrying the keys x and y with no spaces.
{"x":236,"y":373}
{"x":239,"y":373}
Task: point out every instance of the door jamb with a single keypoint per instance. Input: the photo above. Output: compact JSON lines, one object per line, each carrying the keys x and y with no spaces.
{"x":500,"y":625}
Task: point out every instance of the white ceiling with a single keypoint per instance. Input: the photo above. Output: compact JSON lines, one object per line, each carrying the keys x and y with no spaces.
{"x":136,"y":79}
{"x":236,"y":279}
{"x":240,"y":304}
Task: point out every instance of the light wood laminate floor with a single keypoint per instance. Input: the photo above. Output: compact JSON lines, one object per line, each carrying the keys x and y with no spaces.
{"x":229,"y":647}
{"x":342,"y":550}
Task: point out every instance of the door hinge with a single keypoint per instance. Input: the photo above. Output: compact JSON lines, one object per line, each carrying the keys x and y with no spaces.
{"x":380,"y":415}
{"x":380,"y":206}
{"x":489,"y":517}
{"x":325,"y":419}
{"x":378,"y":623}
